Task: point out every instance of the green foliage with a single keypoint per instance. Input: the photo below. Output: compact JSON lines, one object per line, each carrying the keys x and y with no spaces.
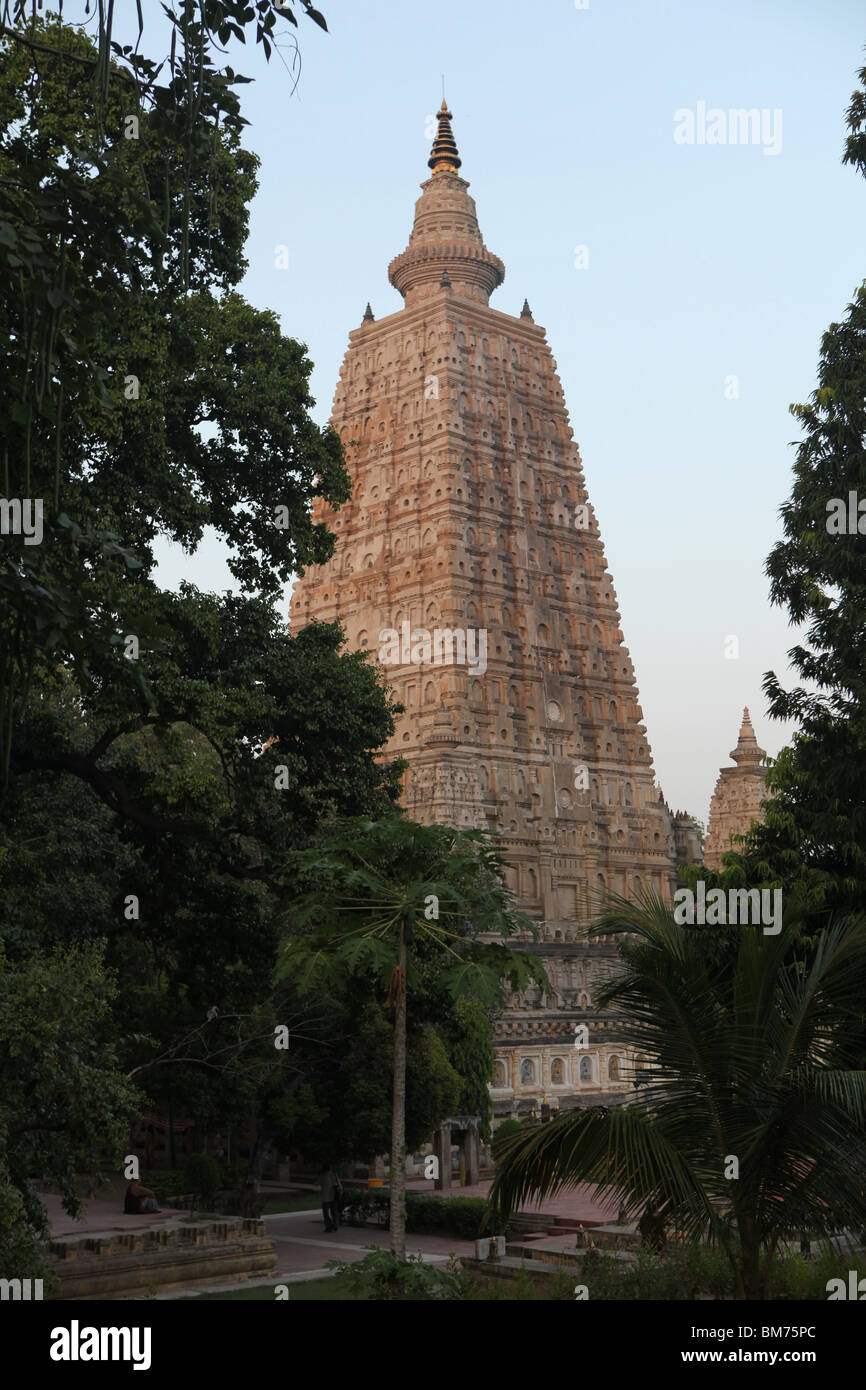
{"x":397,"y":904}
{"x":145,"y":401}
{"x":20,"y":1250}
{"x":366,"y":1205}
{"x":469,"y":1039}
{"x":64,"y":1104}
{"x":462,"y":1217}
{"x":687,"y":1272}
{"x":368,"y":876}
{"x":793,"y":1277}
{"x":346,"y":1114}
{"x":465,"y":1218}
{"x":157,"y":775}
{"x":167,"y":1183}
{"x":813,"y":837}
{"x":752,"y":1048}
{"x":202,"y":1178}
{"x":502,"y":1134}
{"x":379,"y":1277}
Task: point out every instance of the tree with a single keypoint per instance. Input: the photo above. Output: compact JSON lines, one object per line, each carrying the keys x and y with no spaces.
{"x":65,"y":1104}
{"x":168,"y":405}
{"x":186,"y":897}
{"x":159,"y":752}
{"x":813,"y":837}
{"x":382,"y":896}
{"x":470,"y":1042}
{"x":752,"y":1130}
{"x":342,"y":1107}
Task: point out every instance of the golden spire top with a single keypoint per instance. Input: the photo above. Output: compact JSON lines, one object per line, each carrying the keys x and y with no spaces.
{"x":444,"y":156}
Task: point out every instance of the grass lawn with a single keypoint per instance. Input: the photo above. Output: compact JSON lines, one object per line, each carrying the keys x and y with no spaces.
{"x":317,"y":1290}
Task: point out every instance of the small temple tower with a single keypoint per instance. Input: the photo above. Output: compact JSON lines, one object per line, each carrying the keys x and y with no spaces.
{"x":737,"y":799}
{"x":470,"y":517}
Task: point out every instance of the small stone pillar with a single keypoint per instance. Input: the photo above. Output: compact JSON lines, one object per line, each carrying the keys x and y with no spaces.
{"x":472,"y":1157}
{"x":442,"y":1150}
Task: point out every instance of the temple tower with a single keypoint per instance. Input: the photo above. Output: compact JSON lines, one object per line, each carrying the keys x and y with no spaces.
{"x":469,"y":562}
{"x":738,"y":795}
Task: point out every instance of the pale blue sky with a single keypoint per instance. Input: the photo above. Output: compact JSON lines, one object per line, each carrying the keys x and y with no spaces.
{"x":705,"y":261}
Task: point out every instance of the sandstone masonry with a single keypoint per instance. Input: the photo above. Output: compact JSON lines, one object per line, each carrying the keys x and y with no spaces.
{"x":470,"y":512}
{"x":738,"y":795}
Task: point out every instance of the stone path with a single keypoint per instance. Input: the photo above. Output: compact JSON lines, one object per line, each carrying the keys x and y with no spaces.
{"x":102,"y":1215}
{"x":302,"y":1246}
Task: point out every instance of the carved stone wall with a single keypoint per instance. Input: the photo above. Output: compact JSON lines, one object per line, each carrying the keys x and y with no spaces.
{"x":470,"y":513}
{"x":737,"y":798}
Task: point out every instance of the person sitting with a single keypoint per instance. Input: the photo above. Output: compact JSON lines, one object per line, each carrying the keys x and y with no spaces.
{"x":139,"y":1201}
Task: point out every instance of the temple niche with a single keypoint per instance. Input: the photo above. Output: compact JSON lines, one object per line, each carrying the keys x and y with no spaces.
{"x":469,"y":564}
{"x":738,"y":795}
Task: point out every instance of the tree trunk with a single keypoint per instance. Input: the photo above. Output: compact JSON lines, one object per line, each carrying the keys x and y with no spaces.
{"x":398,"y":1119}
{"x":750,"y":1267}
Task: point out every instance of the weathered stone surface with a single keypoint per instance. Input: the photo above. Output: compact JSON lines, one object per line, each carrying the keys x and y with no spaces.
{"x":737,"y":798}
{"x":470,"y":514}
{"x":165,"y":1259}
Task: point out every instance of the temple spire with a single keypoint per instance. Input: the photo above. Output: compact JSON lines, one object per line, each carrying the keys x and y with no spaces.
{"x":444,"y":157}
{"x":747,"y":750}
{"x":445,"y":234}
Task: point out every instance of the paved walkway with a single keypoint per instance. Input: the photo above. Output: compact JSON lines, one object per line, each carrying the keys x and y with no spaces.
{"x":102,"y":1215}
{"x":303,"y":1248}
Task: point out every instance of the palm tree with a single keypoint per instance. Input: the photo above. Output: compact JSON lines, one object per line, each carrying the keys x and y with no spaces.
{"x":374,"y":892}
{"x":750,"y":1128}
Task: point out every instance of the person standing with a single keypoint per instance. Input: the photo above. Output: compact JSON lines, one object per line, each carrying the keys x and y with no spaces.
{"x":332,"y":1193}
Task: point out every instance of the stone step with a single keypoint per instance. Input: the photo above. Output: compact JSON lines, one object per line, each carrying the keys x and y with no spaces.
{"x":555,"y":1254}
{"x":613,"y":1237}
{"x":571,"y":1223}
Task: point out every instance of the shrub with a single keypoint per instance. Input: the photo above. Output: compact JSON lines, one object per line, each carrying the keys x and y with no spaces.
{"x":463,"y":1217}
{"x":502,"y":1135}
{"x":201,"y":1176}
{"x":378,"y":1276}
{"x":794,"y":1277}
{"x":364,"y":1205}
{"x":234,"y":1175}
{"x":166,"y":1182}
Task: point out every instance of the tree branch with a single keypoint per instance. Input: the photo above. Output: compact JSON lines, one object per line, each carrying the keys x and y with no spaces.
{"x":8,"y":33}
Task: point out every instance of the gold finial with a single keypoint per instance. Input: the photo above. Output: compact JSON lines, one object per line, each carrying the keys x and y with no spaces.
{"x":444,"y":156}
